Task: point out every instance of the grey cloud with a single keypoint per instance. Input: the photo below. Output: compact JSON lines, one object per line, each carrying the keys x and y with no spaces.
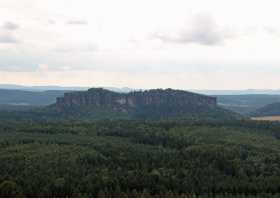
{"x":51,"y":21}
{"x":10,"y":26}
{"x":203,"y":31}
{"x":81,"y":48}
{"x":8,"y":38}
{"x":272,"y":30}
{"x":77,"y":22}
{"x":7,"y":33}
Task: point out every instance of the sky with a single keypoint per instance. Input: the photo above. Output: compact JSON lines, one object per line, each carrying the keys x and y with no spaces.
{"x":183,"y":44}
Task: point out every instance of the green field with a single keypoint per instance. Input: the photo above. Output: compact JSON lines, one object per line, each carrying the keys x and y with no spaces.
{"x":267,"y":118}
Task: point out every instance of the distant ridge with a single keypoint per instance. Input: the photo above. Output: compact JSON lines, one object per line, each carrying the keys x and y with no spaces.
{"x":59,"y":88}
{"x":28,"y":98}
{"x":246,"y":104}
{"x":40,"y":88}
{"x":16,"y":95}
{"x":128,"y":89}
{"x":268,"y":110}
{"x":240,"y":92}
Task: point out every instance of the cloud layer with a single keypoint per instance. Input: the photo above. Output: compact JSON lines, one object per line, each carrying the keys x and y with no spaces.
{"x":172,"y":41}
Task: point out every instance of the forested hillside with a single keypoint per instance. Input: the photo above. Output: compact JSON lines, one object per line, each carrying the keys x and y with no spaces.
{"x":247,"y":103}
{"x":268,"y":110}
{"x":140,"y":159}
{"x":28,"y":98}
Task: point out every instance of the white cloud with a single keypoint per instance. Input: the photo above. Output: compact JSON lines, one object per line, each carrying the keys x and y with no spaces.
{"x":203,"y":30}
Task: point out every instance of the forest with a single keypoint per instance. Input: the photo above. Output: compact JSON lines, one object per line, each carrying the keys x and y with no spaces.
{"x":133,"y":159}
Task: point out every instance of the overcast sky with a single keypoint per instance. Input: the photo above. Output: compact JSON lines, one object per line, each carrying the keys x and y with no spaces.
{"x":188,"y":44}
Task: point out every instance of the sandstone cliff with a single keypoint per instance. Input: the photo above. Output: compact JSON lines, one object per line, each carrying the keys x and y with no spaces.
{"x":98,"y":97}
{"x":156,"y":104}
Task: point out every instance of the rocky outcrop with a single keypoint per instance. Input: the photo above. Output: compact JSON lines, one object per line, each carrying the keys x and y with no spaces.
{"x":98,"y":97}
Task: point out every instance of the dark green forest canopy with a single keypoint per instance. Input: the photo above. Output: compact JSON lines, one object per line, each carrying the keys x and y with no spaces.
{"x":86,"y":114}
{"x":140,"y":159}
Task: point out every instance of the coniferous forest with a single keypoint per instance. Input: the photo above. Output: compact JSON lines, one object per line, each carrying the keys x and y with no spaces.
{"x":123,"y":159}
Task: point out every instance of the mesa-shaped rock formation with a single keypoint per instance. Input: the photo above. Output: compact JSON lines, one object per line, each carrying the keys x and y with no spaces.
{"x":98,"y":97}
{"x":155,"y":104}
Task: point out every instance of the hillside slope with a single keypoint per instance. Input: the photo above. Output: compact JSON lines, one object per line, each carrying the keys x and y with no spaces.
{"x":20,"y":97}
{"x":268,"y":110}
{"x":246,"y":104}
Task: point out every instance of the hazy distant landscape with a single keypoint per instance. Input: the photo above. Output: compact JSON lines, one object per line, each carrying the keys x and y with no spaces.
{"x":139,"y":99}
{"x":245,"y":102}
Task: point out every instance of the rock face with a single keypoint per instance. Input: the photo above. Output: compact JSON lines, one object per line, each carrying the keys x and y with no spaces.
{"x":98,"y":97}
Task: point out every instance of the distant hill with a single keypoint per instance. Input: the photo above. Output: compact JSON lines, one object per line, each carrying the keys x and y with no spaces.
{"x":40,"y":88}
{"x":38,"y":96}
{"x":98,"y":103}
{"x":240,"y":92}
{"x":246,"y":104}
{"x":128,"y":89}
{"x":59,"y":88}
{"x":268,"y":110}
{"x":28,"y":98}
